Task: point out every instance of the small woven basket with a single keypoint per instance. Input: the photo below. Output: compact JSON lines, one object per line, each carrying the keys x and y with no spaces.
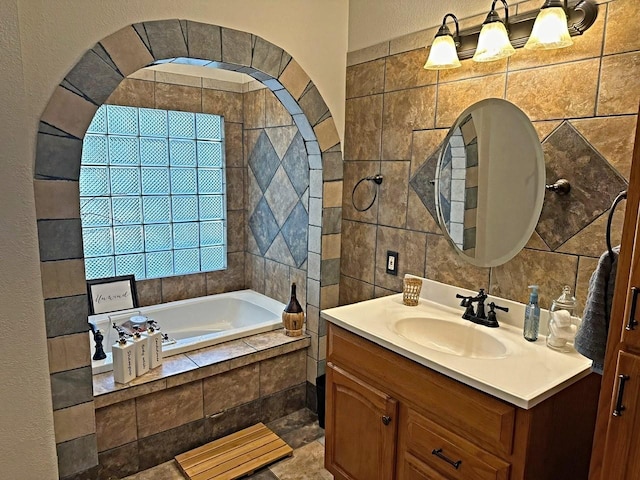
{"x":411,"y":291}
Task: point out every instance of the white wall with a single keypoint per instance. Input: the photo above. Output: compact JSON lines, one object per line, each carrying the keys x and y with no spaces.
{"x":40,"y":41}
{"x":376,"y":21}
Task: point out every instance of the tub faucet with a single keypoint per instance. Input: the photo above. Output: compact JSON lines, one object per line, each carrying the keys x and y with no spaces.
{"x":97,"y":338}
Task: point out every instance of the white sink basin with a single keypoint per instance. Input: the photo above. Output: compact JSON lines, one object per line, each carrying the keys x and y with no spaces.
{"x":452,"y":338}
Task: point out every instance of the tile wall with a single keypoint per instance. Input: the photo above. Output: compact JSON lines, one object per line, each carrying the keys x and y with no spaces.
{"x":583,"y":102}
{"x":63,"y":123}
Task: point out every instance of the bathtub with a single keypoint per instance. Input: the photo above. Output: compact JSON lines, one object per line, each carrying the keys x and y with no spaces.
{"x":195,"y":323}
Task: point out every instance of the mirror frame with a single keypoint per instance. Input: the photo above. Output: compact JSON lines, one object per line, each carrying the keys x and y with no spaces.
{"x":536,"y":209}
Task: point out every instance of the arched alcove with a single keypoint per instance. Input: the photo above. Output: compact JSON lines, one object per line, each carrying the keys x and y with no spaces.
{"x":59,"y":148}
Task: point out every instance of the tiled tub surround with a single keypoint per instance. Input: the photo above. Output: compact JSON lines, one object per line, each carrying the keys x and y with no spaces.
{"x":194,"y":398}
{"x":63,"y":125}
{"x":583,"y":102}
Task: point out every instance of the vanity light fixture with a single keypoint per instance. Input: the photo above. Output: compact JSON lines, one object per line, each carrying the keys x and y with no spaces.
{"x":493,"y":42}
{"x":550,"y":29}
{"x":443,"y":54}
{"x":579,"y":15}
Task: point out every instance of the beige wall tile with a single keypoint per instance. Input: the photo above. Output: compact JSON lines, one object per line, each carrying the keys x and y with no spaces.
{"x":116,"y":425}
{"x":444,"y":265}
{"x":365,"y":78}
{"x":69,"y":352}
{"x":275,"y":113}
{"x":405,"y":111}
{"x":144,"y":74}
{"x":329,"y":296}
{"x":63,"y":278}
{"x":359,"y":242}
{"x":424,"y":144}
{"x":363,"y":128}
{"x":178,"y":97}
{"x":406,"y":70}
{"x":169,"y":408}
{"x":622,"y":26}
{"x":471,"y":69}
{"x":276,"y":277}
{"x":367,"y":54}
{"x":549,"y":92}
{"x":332,"y":194}
{"x":133,"y":93}
{"x":353,"y":290}
{"x":69,"y":112}
{"x":545,"y":128}
{"x":183,"y":286}
{"x":74,"y":422}
{"x":331,"y":246}
{"x":537,"y":243}
{"x":178,"y":79}
{"x":418,"y":217}
{"x":591,"y":240}
{"x":149,"y":292}
{"x":619,"y":84}
{"x":326,"y":134}
{"x":393,"y":194}
{"x":56,"y":199}
{"x":227,"y":104}
{"x":231,"y":389}
{"x":411,"y":248}
{"x":234,"y":151}
{"x":127,"y":50}
{"x":455,"y":97}
{"x":215,"y":84}
{"x":294,"y":79}
{"x":613,"y":137}
{"x":551,"y":271}
{"x":312,"y":370}
{"x":280,"y":373}
{"x":254,"y":109}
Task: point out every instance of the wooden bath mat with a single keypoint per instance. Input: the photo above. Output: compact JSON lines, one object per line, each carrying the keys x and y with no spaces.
{"x":235,"y":455}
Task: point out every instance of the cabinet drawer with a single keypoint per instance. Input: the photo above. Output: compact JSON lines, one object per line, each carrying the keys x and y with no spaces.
{"x":485,"y":420}
{"x":414,"y":469}
{"x":447,"y":453}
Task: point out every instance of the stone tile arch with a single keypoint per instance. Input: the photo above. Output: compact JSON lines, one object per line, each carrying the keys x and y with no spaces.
{"x":57,"y":168}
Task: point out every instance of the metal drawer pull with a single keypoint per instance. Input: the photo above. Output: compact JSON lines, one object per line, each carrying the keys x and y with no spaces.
{"x":622,"y":379}
{"x":386,"y":420}
{"x":438,"y":453}
{"x":632,"y":322}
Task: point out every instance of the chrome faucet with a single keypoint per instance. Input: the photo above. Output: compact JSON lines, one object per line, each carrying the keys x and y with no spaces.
{"x":478,"y":315}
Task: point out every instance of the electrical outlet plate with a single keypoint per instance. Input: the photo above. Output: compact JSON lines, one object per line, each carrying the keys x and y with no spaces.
{"x":392,"y":262}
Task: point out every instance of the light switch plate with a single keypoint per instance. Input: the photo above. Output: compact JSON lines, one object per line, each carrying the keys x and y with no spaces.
{"x":392,"y":262}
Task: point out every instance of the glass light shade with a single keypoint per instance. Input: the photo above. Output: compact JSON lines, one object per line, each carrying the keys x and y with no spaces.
{"x":493,"y":43}
{"x":443,"y":54}
{"x":550,"y":30}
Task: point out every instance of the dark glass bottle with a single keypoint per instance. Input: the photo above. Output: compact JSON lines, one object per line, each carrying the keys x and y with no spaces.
{"x":293,"y":315}
{"x":293,"y":306}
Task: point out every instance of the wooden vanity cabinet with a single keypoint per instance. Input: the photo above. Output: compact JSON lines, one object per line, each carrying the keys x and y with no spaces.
{"x":388,"y":418}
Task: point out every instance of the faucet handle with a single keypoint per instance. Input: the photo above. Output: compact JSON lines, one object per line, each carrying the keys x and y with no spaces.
{"x":466,"y":301}
{"x":492,"y":305}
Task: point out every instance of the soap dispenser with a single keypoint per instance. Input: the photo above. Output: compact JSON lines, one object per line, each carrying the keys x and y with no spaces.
{"x":142,"y":351}
{"x":155,"y":343}
{"x":563,"y":322}
{"x":532,"y":316}
{"x":124,"y":358}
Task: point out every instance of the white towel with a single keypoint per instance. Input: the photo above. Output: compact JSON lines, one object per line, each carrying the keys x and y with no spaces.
{"x":591,"y":339}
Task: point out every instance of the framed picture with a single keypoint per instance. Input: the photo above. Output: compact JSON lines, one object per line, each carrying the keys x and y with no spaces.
{"x":112,"y":294}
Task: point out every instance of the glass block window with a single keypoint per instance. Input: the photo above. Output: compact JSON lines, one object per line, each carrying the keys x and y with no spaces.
{"x":152,"y":193}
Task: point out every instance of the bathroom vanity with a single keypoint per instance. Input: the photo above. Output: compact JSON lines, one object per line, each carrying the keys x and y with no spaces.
{"x":401,"y":405}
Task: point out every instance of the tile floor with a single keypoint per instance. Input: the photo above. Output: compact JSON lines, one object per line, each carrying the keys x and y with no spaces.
{"x":300,"y":430}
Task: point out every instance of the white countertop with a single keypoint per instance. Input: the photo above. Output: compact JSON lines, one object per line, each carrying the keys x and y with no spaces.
{"x":529,"y":373}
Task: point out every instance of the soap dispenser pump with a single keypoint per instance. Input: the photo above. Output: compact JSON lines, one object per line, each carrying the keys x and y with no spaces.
{"x":532,"y":316}
{"x":124,"y":358}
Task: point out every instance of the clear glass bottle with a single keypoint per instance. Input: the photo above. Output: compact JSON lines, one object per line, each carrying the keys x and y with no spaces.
{"x":563,"y":322}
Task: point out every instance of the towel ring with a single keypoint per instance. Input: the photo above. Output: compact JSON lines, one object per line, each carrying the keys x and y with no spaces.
{"x":377,"y":179}
{"x":621,"y":196}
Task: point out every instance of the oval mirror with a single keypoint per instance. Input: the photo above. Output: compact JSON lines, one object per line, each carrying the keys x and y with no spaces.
{"x":490,"y":182}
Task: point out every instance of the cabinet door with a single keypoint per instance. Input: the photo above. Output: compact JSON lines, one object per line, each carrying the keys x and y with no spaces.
{"x":360,"y":429}
{"x":631,"y":330}
{"x":622,"y":448}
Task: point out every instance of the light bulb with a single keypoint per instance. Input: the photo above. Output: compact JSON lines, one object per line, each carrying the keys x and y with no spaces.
{"x":549,"y":30}
{"x":443,"y":54}
{"x":493,"y":43}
